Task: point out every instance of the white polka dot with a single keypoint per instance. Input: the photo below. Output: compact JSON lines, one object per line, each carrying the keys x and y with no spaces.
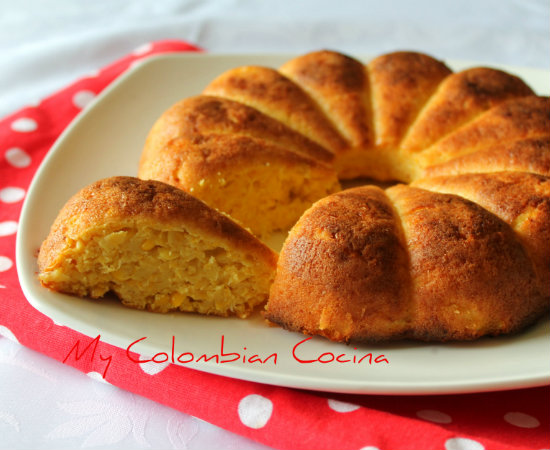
{"x":7,"y":333}
{"x":11,"y":194}
{"x":434,"y":416}
{"x":18,"y":157}
{"x":151,"y":367}
{"x":98,"y":377}
{"x":463,"y":444}
{"x":342,"y":407}
{"x":5,"y":263}
{"x":24,"y":125}
{"x":8,"y":227}
{"x":521,"y":420}
{"x":255,"y":411}
{"x":83,"y":98}
{"x":369,"y":447}
{"x":142,"y":49}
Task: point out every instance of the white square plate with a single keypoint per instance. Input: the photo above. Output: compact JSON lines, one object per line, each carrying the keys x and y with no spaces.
{"x":107,"y":139}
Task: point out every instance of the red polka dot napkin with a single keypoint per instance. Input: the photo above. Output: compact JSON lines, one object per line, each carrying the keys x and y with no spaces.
{"x":280,"y":417}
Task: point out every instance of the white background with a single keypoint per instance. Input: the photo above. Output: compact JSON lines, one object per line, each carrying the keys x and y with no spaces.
{"x":45,"y":44}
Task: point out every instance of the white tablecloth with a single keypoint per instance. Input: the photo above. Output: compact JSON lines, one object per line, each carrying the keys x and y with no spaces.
{"x":45,"y":44}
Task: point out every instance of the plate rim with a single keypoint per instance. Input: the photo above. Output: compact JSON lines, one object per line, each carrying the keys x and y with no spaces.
{"x":422,"y":388}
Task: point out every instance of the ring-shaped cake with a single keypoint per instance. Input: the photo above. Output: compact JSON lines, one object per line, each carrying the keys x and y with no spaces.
{"x":455,"y":247}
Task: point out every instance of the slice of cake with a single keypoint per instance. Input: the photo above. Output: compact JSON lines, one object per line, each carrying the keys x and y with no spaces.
{"x":157,"y":248}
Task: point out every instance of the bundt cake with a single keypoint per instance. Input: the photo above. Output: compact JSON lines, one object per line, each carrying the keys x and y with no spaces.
{"x":157,"y":248}
{"x":461,"y":251}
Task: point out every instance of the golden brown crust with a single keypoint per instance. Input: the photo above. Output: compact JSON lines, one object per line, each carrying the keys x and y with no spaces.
{"x":185,"y":162}
{"x":520,"y":118}
{"x":409,"y":77}
{"x":340,"y":86}
{"x":461,"y":97}
{"x":343,"y":272}
{"x":128,"y":199}
{"x":275,"y":95}
{"x":201,"y":136}
{"x":524,"y":155}
{"x":195,"y":117}
{"x":520,"y":199}
{"x":470,"y":274}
